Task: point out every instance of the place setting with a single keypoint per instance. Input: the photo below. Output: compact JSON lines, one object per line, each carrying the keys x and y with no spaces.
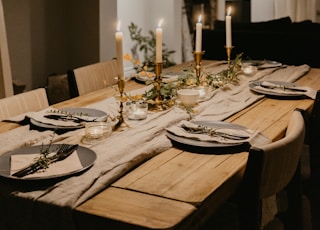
{"x":282,"y":89}
{"x":60,"y":120}
{"x":213,"y":137}
{"x":44,"y":162}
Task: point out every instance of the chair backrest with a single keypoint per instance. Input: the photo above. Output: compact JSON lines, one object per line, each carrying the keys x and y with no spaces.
{"x":277,"y":162}
{"x":312,"y":184}
{"x":270,"y":169}
{"x":33,"y":100}
{"x":93,"y":77}
{"x":314,"y":140}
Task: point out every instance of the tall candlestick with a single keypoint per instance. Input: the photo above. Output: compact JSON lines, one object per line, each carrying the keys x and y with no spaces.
{"x":228,"y":29}
{"x":119,"y":48}
{"x":199,"y":35}
{"x":159,"y":43}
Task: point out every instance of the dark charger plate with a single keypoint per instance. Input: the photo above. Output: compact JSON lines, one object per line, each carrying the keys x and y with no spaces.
{"x":86,"y":156}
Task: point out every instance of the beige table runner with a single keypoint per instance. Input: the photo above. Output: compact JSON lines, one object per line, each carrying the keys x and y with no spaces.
{"x":124,"y":150}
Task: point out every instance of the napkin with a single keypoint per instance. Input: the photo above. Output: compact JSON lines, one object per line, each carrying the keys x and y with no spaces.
{"x":179,"y":131}
{"x":40,"y":117}
{"x":70,"y":164}
{"x":270,"y":87}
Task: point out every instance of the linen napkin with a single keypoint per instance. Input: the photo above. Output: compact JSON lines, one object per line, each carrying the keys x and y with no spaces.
{"x":179,"y":131}
{"x":70,"y":164}
{"x":41,"y":118}
{"x":269,"y":87}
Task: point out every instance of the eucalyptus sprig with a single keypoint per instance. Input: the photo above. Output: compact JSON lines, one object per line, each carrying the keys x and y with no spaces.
{"x":208,"y":79}
{"x":45,"y":150}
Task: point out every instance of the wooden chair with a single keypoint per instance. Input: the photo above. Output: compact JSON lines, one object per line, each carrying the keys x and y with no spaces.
{"x":33,"y":100}
{"x":311,"y":182}
{"x":272,"y":169}
{"x":92,"y":77}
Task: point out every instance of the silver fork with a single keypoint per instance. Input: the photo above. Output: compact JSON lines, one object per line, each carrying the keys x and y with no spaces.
{"x":63,"y":152}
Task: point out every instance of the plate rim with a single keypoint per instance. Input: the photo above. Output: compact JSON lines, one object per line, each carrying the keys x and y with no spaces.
{"x":49,"y":126}
{"x":203,"y":144}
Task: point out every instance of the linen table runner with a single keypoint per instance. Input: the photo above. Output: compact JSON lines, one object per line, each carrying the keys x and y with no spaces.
{"x":124,"y":150}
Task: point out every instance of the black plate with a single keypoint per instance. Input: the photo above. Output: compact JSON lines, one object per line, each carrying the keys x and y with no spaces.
{"x":192,"y":145}
{"x":87,"y":111}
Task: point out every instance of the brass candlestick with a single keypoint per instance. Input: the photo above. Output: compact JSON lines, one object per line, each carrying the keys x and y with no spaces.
{"x":229,"y":49}
{"x":157,"y":83}
{"x":121,"y":123}
{"x":198,"y":59}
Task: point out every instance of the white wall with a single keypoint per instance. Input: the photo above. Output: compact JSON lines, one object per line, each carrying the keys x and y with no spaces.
{"x":262,"y":10}
{"x":151,"y":11}
{"x":18,"y":25}
{"x":108,"y":20}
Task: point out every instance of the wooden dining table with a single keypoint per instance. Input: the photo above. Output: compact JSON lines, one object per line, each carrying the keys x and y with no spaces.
{"x":178,"y":189}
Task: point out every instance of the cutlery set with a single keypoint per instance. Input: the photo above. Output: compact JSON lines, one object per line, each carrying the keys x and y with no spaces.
{"x":213,"y":132}
{"x":63,"y":152}
{"x":270,"y":85}
{"x":77,"y":119}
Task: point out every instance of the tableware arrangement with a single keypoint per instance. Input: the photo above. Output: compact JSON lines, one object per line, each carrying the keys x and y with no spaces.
{"x":263,"y":64}
{"x":281,"y":89}
{"x":209,"y":136}
{"x":68,"y":118}
{"x":85,"y":155}
{"x":63,"y":152}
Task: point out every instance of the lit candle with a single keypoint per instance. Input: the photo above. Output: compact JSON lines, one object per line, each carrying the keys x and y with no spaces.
{"x":159,"y":43}
{"x":198,"y":35}
{"x":228,"y":29}
{"x":119,"y":48}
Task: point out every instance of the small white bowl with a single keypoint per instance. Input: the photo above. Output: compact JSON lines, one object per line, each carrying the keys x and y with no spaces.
{"x":188,"y":97}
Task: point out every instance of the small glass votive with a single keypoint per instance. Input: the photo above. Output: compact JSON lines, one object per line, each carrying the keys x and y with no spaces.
{"x":137,"y":110}
{"x":249,"y":69}
{"x":205,"y":92}
{"x":97,"y":130}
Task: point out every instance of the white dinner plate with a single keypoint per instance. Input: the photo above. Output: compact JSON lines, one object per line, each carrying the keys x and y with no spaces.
{"x":86,"y":156}
{"x":87,"y":111}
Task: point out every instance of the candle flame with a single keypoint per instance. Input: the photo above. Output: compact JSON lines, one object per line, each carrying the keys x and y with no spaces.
{"x":200,"y":18}
{"x":160,"y":22}
{"x":229,"y":11}
{"x":118,"y":25}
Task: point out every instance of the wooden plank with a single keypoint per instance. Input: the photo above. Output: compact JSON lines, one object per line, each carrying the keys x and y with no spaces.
{"x":176,"y":179}
{"x":271,"y":116}
{"x":137,"y":208}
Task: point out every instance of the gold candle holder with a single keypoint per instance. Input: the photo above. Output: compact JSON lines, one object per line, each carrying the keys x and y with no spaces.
{"x":121,"y":124}
{"x":198,"y":59}
{"x":157,"y":83}
{"x":228,"y":50}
